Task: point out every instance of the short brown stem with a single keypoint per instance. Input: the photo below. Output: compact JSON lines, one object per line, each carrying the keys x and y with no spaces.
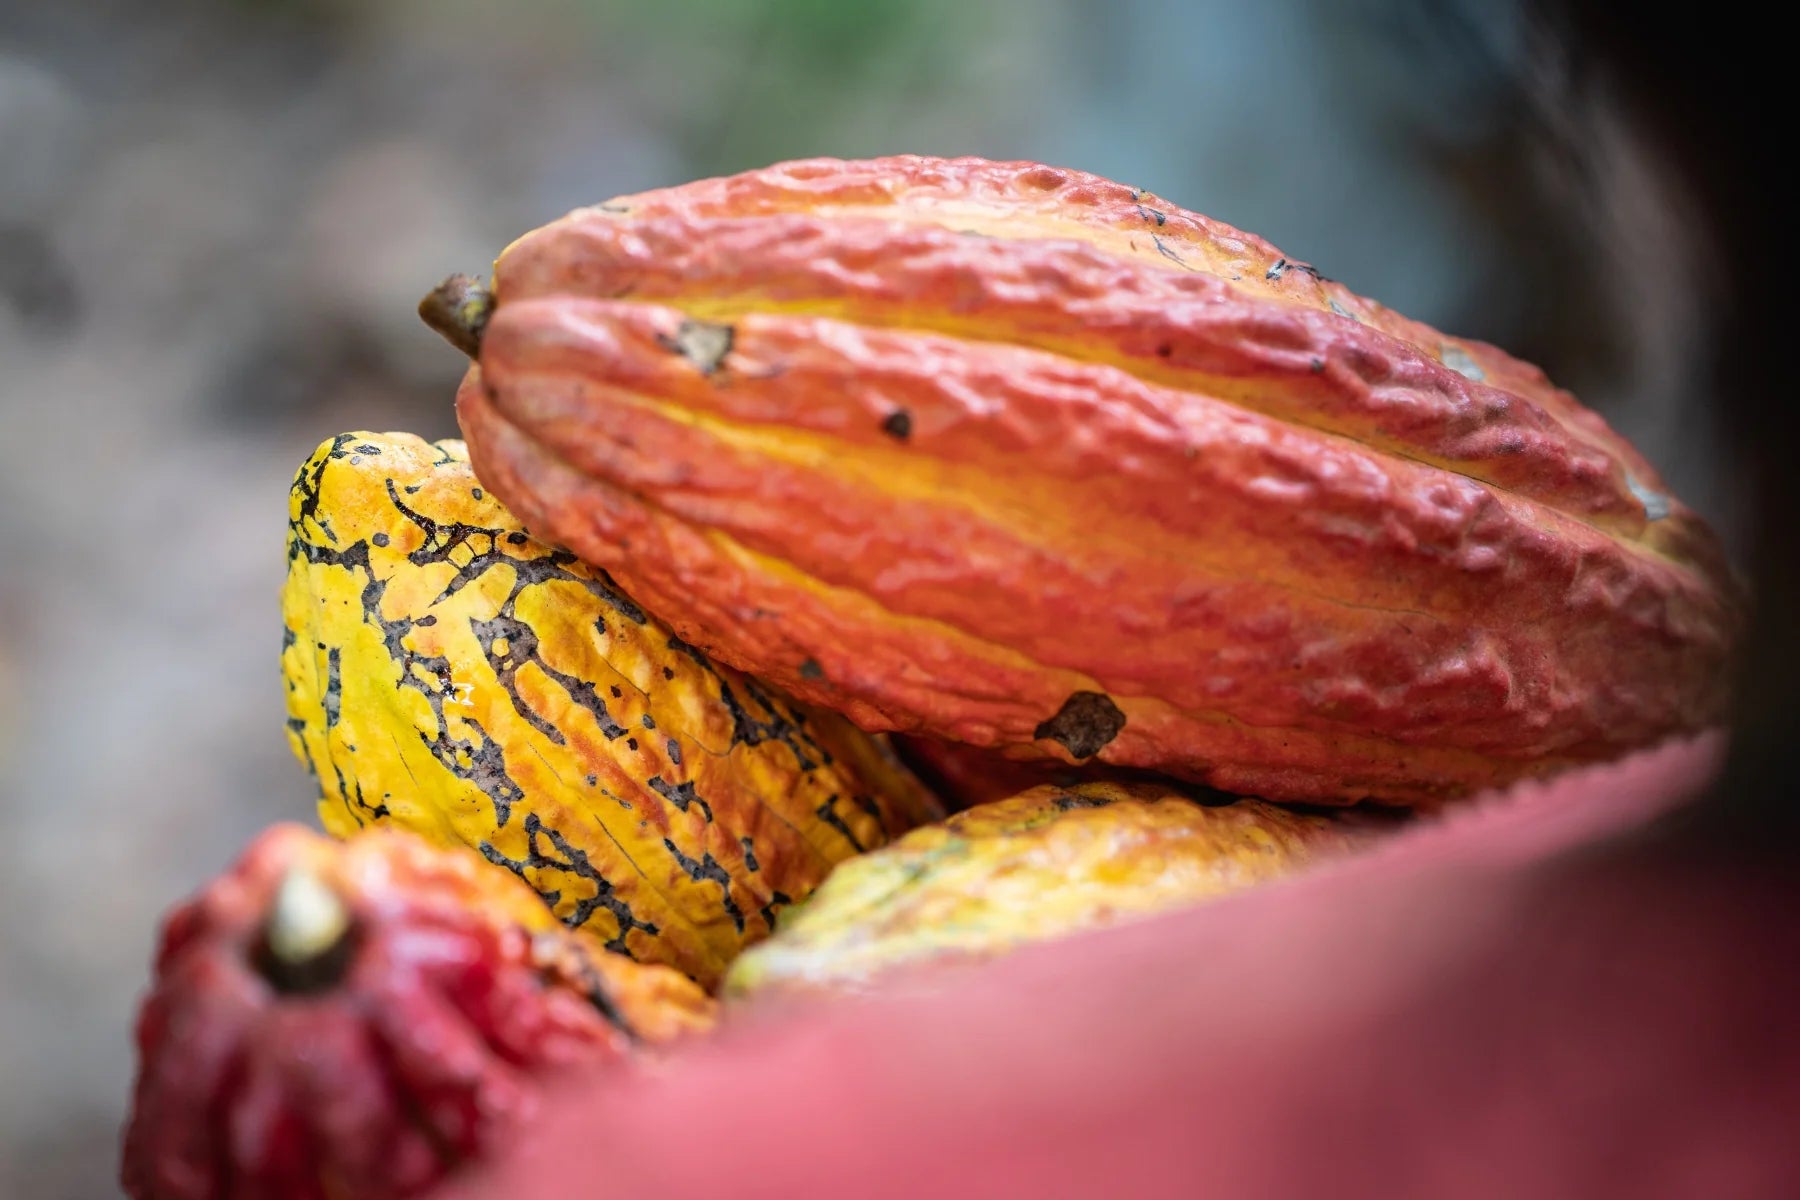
{"x":458,"y":309}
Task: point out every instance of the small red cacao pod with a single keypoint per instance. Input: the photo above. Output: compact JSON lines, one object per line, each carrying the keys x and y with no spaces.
{"x":356,"y":1019}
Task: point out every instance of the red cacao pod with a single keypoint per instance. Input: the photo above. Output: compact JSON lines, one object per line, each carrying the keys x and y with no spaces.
{"x":1021,"y":457}
{"x":356,"y":1019}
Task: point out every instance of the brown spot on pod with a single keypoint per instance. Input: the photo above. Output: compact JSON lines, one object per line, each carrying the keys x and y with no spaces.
{"x":1085,"y":723}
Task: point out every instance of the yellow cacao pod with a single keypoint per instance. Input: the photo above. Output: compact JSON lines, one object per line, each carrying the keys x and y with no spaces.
{"x":449,"y":673}
{"x":1042,"y":864}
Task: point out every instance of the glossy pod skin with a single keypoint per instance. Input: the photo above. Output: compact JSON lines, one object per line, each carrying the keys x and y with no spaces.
{"x":1024,"y":458}
{"x":1043,"y":864}
{"x":448,"y":673}
{"x":360,"y":1018}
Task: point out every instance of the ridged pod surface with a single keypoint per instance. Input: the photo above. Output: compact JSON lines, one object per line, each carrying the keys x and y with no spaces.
{"x":448,"y":673}
{"x":1045,"y":863}
{"x":359,"y":1018}
{"x":1021,"y":457}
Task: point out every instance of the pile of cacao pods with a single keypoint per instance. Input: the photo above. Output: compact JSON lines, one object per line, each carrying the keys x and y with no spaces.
{"x":855,"y":570}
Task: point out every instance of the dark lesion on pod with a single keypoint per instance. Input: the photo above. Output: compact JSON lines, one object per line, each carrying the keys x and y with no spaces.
{"x":1084,"y":724}
{"x":702,"y":343}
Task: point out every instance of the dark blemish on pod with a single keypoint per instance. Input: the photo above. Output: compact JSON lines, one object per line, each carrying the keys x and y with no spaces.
{"x":749,"y":853}
{"x":631,"y":743}
{"x":517,"y":539}
{"x":1318,"y":365}
{"x":668,"y":673}
{"x":366,"y":448}
{"x":574,"y":862}
{"x":649,"y":722}
{"x":674,"y":749}
{"x":702,"y":343}
{"x":381,"y":539}
{"x":776,"y":900}
{"x":898,"y":424}
{"x":1163,"y":249}
{"x":1071,"y":800}
{"x":707,"y":868}
{"x":478,"y":493}
{"x":1150,"y":214}
{"x":681,"y":795}
{"x":593,"y":780}
{"x":1084,"y":724}
{"x":828,"y":813}
{"x":616,"y":693}
{"x":810,"y":669}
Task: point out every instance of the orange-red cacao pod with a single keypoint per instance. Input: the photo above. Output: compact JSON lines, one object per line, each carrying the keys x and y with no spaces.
{"x":1024,"y":458}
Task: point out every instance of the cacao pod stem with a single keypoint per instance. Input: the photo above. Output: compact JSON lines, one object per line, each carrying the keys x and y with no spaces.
{"x":458,"y":310}
{"x":306,"y":941}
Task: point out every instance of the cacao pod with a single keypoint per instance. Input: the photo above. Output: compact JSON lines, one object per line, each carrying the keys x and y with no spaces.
{"x":1021,"y":457}
{"x":337,"y":1019}
{"x":1042,"y":864}
{"x":448,"y":673}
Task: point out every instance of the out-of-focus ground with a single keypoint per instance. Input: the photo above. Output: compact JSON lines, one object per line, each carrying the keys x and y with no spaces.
{"x":216,"y":217}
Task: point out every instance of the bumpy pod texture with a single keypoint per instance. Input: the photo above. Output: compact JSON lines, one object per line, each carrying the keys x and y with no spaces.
{"x":449,"y":673}
{"x":1045,"y":863}
{"x":336,"y":1019}
{"x":1021,"y":457}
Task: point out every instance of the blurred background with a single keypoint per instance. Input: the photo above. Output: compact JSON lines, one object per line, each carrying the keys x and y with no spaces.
{"x":216,"y":217}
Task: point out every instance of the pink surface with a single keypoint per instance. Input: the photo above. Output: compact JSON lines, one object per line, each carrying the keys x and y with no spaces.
{"x":1495,"y":1005}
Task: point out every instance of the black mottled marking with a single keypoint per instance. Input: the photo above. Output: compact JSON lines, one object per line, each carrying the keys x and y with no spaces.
{"x":592,"y":982}
{"x":681,"y":795}
{"x":674,"y":749}
{"x":668,"y":673}
{"x":616,"y":693}
{"x":1318,"y":365}
{"x":776,"y":900}
{"x":827,"y":812}
{"x":306,"y":489}
{"x":631,"y":743}
{"x":1085,"y":723}
{"x":868,"y":805}
{"x":649,"y":722}
{"x":706,"y":868}
{"x":1282,"y":266}
{"x":478,"y":493}
{"x":1072,"y":800}
{"x":1162,"y":248}
{"x":1150,"y":214}
{"x":478,"y":760}
{"x":508,"y":644}
{"x":750,"y":862}
{"x":810,"y":669}
{"x":898,"y":425}
{"x":381,"y":539}
{"x":747,"y":729}
{"x":574,"y":862}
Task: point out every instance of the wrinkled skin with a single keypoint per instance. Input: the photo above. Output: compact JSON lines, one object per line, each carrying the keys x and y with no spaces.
{"x":448,"y":673}
{"x":1023,"y":458}
{"x":413,"y":1037}
{"x":1046,"y":863}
